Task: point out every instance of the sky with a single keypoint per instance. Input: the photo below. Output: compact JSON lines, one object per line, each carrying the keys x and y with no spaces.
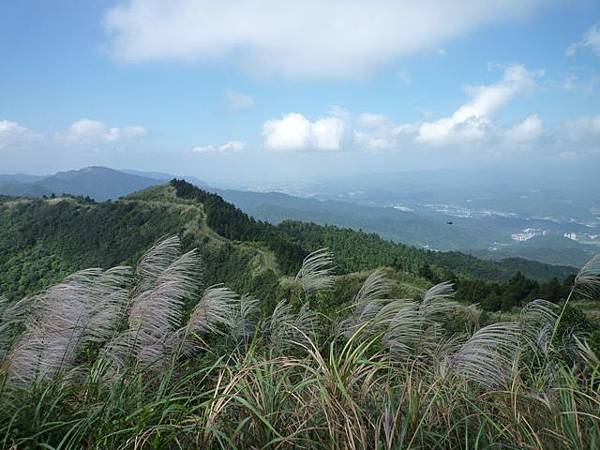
{"x":273,"y":90}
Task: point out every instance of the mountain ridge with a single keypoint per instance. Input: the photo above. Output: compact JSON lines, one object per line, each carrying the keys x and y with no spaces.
{"x":424,"y":231}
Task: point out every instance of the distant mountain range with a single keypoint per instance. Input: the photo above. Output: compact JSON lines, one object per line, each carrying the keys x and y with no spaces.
{"x":488,"y":236}
{"x":99,"y":183}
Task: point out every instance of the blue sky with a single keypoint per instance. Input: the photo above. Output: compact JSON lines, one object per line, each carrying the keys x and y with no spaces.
{"x":257,"y":90}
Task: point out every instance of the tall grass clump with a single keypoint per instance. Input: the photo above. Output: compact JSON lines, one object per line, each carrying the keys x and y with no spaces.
{"x":151,"y":357}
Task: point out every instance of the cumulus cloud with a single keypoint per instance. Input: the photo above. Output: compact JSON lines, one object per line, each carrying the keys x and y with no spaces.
{"x":371,"y":120}
{"x":13,"y":134}
{"x":375,"y":132}
{"x":471,"y":125}
{"x":294,"y":132}
{"x":87,"y":131}
{"x":237,"y":100}
{"x":529,"y":130}
{"x":231,"y":146}
{"x":590,"y":41}
{"x":347,"y":38}
{"x":472,"y":122}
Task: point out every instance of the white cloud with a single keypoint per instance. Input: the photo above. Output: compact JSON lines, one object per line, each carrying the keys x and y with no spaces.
{"x":583,"y":81}
{"x":237,"y":100}
{"x":590,"y":41}
{"x":529,"y":130}
{"x":384,"y":135}
{"x":370,"y":120}
{"x":13,"y":134}
{"x":295,"y":132}
{"x":8,"y":127}
{"x":471,"y":125}
{"x":86,"y":131}
{"x":308,"y":39}
{"x":472,"y":122}
{"x":584,"y":130}
{"x":231,"y":146}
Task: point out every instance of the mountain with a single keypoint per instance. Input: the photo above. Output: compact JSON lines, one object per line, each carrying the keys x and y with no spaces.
{"x":19,"y":178}
{"x":437,"y":227}
{"x":43,"y":240}
{"x":390,"y":223}
{"x":491,"y":213}
{"x":98,"y":183}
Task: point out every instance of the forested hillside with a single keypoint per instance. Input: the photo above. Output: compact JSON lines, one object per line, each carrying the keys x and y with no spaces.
{"x":42,"y":240}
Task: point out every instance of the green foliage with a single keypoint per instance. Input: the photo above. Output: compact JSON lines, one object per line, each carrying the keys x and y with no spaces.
{"x":295,"y":380}
{"x":43,"y":240}
{"x":357,"y":250}
{"x":232,"y":223}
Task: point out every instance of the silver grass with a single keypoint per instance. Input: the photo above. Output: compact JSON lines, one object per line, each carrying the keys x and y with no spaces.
{"x":119,"y":351}
{"x":438,"y":292}
{"x":587,"y":281}
{"x":473,"y":314}
{"x":415,"y":328}
{"x":155,"y":313}
{"x":375,"y":287}
{"x":362,"y":315}
{"x":280,"y":324}
{"x":405,"y":329}
{"x":214,"y":311}
{"x":155,"y":261}
{"x":286,"y":328}
{"x":108,"y":297}
{"x":316,"y":273}
{"x":367,"y":302}
{"x":84,"y":308}
{"x":586,"y":353}
{"x":411,"y":331}
{"x":12,"y":316}
{"x":487,"y":357}
{"x":244,"y":319}
{"x":435,"y":305}
{"x":537,"y":321}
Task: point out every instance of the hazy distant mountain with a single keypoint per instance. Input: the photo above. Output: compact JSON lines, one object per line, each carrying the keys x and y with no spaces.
{"x":19,"y":178}
{"x":99,"y":183}
{"x":463,"y":226}
{"x":390,"y":223}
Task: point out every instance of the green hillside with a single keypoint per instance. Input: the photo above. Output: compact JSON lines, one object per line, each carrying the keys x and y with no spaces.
{"x":322,"y":354}
{"x":43,"y":240}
